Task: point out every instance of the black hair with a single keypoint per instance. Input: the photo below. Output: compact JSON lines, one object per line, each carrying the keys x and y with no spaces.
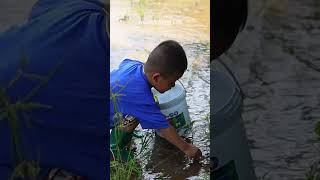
{"x":228,"y":18}
{"x":168,"y":58}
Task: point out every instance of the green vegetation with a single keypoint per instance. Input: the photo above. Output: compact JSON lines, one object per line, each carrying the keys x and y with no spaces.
{"x":314,"y":171}
{"x":130,"y":168}
{"x":317,"y":129}
{"x":26,"y":170}
{"x":125,"y":170}
{"x":141,"y":9}
{"x":15,"y":113}
{"x":126,"y":166}
{"x":122,"y":166}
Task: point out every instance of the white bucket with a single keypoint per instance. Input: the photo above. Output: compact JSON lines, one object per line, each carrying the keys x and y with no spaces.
{"x":230,"y":155}
{"x":173,"y":105}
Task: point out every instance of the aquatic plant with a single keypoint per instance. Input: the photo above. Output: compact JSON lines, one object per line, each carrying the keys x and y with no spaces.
{"x":317,"y":128}
{"x":15,"y":113}
{"x":141,"y":9}
{"x":129,"y":168}
{"x":207,"y":120}
{"x":314,"y":172}
{"x":120,"y":169}
{"x":26,"y":170}
{"x":205,"y":175}
{"x":124,"y":170}
{"x":144,"y":143}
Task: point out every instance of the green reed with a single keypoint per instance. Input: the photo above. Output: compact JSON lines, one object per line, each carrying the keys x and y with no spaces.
{"x":14,"y":112}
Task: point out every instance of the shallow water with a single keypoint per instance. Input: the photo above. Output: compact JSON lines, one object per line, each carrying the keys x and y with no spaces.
{"x":186,"y":21}
{"x":276,"y":60}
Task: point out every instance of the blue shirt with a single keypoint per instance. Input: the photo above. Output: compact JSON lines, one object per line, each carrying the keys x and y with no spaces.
{"x":133,"y":96}
{"x":64,"y":40}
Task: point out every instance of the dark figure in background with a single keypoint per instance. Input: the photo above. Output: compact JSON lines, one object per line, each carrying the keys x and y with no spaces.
{"x":228,"y":18}
{"x":54,"y":90}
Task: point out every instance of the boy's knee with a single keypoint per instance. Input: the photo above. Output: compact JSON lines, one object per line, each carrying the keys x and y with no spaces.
{"x":129,"y":123}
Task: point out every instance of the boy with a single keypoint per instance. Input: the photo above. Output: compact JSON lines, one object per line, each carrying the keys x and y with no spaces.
{"x":132,"y":101}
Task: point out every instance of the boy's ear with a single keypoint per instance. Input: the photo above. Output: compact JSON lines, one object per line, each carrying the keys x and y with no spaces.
{"x":156,"y":77}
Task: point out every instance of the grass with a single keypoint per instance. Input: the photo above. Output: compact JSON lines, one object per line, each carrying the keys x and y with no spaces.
{"x":125,"y":170}
{"x":205,"y":176}
{"x":122,"y":170}
{"x":141,"y":11}
{"x":15,"y":112}
{"x":140,"y":8}
{"x":26,"y":170}
{"x":130,"y":169}
{"x":314,"y":172}
{"x":207,"y":131}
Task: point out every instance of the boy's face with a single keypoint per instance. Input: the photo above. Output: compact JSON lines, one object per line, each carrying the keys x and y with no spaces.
{"x":162,"y":83}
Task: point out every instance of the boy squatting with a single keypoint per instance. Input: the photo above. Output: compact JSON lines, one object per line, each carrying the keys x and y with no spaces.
{"x":133,"y":101}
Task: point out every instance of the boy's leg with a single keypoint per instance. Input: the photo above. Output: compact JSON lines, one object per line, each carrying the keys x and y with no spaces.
{"x":120,"y":138}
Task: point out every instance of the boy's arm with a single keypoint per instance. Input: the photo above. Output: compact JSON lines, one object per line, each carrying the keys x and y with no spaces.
{"x":172,"y":136}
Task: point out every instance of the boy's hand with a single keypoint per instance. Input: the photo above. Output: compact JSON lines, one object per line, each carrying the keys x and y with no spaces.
{"x":193,"y":152}
{"x":190,"y":150}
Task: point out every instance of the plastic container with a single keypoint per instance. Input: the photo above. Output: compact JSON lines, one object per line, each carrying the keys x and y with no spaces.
{"x":173,"y":105}
{"x":229,"y":152}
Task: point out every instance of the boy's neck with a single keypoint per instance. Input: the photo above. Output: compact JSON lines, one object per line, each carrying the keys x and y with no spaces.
{"x":147,"y":76}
